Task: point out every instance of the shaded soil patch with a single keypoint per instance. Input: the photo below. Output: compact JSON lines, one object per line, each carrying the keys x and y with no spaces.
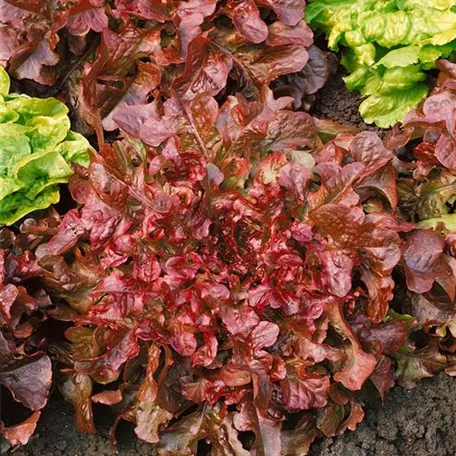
{"x":336,"y":103}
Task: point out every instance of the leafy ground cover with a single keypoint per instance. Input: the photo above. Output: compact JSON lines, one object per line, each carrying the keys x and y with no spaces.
{"x":111,"y":54}
{"x":230,"y":275}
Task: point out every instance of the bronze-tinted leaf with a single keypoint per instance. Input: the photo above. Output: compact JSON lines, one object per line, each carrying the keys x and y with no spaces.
{"x":416,"y":364}
{"x":19,"y":434}
{"x":77,"y":390}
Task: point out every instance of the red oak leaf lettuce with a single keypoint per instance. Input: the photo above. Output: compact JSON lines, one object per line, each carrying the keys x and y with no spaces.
{"x":231,"y":266}
{"x":225,"y":275}
{"x":107,"y":55}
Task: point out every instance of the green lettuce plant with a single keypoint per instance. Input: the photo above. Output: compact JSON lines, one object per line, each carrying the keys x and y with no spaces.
{"x":389,"y":46}
{"x":37,"y":148}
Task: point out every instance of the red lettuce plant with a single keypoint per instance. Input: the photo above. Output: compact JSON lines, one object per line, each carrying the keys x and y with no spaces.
{"x":228,"y":276}
{"x":25,"y":368}
{"x":112,"y":54}
{"x":428,"y":134}
{"x":427,"y":189}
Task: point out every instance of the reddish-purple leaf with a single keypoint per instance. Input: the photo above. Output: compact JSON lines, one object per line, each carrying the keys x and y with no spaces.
{"x":382,"y":377}
{"x":288,"y":11}
{"x":302,"y":390}
{"x":87,"y":15}
{"x":246,"y":18}
{"x":425,"y":260}
{"x":359,"y":365}
{"x":206,"y":70}
{"x":146,"y":79}
{"x":29,"y":380}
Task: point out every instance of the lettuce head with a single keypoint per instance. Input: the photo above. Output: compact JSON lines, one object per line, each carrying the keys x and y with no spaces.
{"x":37,"y":148}
{"x":388,"y":46}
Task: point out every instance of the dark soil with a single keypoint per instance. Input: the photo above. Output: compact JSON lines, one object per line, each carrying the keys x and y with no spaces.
{"x":420,"y":422}
{"x":336,"y":103}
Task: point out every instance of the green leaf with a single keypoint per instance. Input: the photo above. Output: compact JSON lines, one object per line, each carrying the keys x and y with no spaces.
{"x":36,"y":150}
{"x":16,"y":205}
{"x":401,"y":57}
{"x":7,"y":114}
{"x":8,"y":186}
{"x":74,"y":149}
{"x":41,"y":170}
{"x":28,"y":108}
{"x":14,"y":144}
{"x":4,"y":82}
{"x":391,"y":93}
{"x":385,"y":109}
{"x":48,"y":132}
{"x":49,"y":164}
{"x":447,"y":221}
{"x":387,"y":39}
{"x":441,"y":5}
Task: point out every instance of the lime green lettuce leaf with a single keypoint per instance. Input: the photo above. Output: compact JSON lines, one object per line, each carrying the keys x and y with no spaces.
{"x":16,"y":205}
{"x":390,"y":92}
{"x":8,"y":186}
{"x":37,"y":148}
{"x":388,"y":47}
{"x":4,"y":83}
{"x":447,"y":221}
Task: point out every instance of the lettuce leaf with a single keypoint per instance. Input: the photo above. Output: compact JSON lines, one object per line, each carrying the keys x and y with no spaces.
{"x":389,"y":46}
{"x":429,"y":134}
{"x":36,"y":152}
{"x":25,"y":368}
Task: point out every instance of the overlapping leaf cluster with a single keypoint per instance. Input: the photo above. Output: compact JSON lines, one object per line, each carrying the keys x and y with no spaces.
{"x":228,"y":280}
{"x":25,"y":368}
{"x":111,"y":54}
{"x":427,"y":144}
{"x":230,"y":275}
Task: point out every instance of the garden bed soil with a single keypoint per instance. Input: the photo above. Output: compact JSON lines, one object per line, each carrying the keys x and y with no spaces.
{"x":336,"y":103}
{"x":420,"y":422}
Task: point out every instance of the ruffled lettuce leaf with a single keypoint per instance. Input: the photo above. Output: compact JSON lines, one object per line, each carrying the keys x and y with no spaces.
{"x":30,"y":31}
{"x":101,"y":56}
{"x":427,"y":191}
{"x":25,"y":368}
